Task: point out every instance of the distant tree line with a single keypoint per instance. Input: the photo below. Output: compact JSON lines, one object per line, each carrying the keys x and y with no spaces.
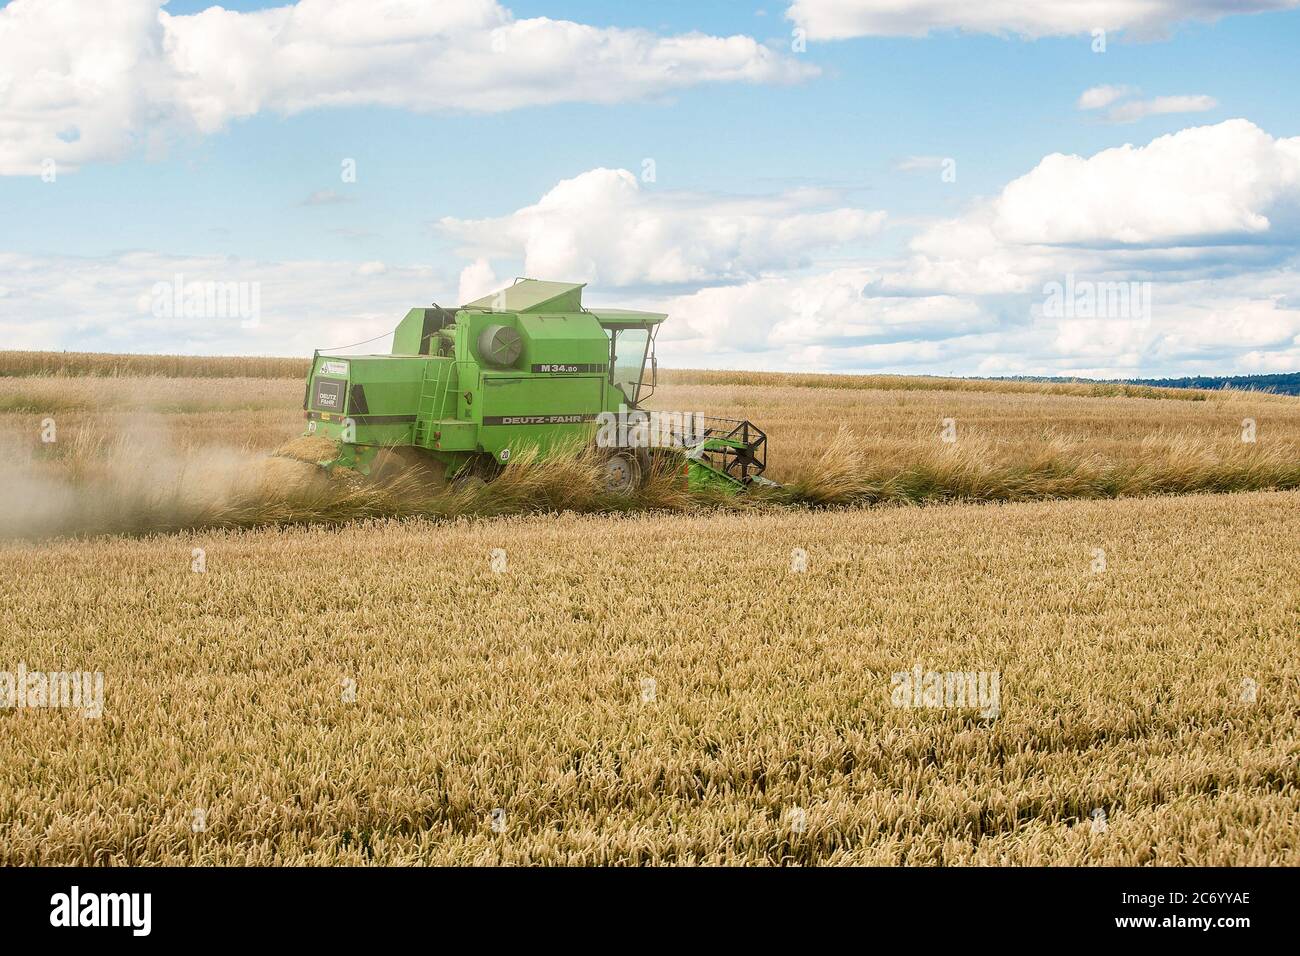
{"x":1281,"y":383}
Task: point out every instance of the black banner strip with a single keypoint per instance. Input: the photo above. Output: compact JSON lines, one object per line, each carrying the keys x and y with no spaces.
{"x":990,"y":907}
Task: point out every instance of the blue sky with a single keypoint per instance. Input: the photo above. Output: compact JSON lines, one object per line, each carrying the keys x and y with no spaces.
{"x":844,"y":260}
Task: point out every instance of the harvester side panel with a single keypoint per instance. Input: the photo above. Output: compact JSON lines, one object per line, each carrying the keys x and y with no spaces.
{"x":542,"y":410}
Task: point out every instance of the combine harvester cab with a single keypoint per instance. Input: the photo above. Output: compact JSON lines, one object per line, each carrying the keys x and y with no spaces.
{"x":527,"y":367}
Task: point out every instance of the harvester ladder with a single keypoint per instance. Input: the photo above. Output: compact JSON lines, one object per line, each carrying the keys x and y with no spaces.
{"x":431,"y":400}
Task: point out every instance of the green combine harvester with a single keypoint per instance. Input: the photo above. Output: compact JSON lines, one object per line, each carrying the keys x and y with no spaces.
{"x":527,"y":367}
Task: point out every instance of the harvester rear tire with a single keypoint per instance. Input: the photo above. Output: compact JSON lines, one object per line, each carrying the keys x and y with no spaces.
{"x":476,"y":473}
{"x":408,"y":468}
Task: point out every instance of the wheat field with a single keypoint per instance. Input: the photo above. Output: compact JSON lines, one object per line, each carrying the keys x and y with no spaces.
{"x":516,"y":682}
{"x":698,"y":683}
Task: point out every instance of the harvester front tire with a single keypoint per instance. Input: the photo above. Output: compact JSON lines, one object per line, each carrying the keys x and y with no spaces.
{"x":623,"y":472}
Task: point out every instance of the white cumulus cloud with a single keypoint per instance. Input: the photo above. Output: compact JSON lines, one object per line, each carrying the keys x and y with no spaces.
{"x":1202,"y":221}
{"x":1132,"y":110}
{"x":1207,"y":181}
{"x":83,"y":81}
{"x":1096,"y":97}
{"x":604,"y":227}
{"x":1135,"y":110}
{"x":835,"y":309}
{"x":111,"y":303}
{"x":476,"y":280}
{"x":839,"y":19}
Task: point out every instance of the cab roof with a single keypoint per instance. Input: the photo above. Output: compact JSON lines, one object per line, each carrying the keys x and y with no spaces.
{"x":626,"y":318}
